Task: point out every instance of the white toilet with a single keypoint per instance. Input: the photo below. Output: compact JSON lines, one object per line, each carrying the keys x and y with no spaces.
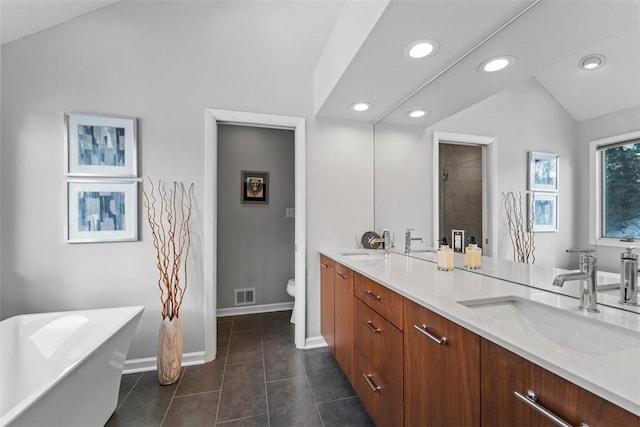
{"x":291,"y":290}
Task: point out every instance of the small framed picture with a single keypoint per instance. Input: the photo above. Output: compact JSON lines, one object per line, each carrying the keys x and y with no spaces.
{"x":543,"y":212}
{"x":100,"y":146}
{"x":255,"y":187}
{"x":102,"y":211}
{"x":543,"y":171}
{"x":457,"y":240}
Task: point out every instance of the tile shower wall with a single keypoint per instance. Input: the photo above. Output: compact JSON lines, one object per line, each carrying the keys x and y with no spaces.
{"x":461,"y":190}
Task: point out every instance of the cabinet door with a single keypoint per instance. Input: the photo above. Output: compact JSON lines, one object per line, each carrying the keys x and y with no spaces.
{"x":441,"y":380}
{"x":327,"y":300}
{"x":505,"y":373}
{"x":343,"y":338}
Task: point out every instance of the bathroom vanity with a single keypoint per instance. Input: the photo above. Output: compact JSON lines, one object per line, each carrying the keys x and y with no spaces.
{"x":454,"y":348}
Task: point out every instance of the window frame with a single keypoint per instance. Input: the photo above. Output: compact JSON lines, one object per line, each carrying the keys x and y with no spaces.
{"x":595,"y":190}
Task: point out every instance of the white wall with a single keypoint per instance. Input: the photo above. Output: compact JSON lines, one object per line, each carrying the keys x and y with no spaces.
{"x":618,"y":123}
{"x":255,"y":241}
{"x":163,"y":62}
{"x":523,"y":118}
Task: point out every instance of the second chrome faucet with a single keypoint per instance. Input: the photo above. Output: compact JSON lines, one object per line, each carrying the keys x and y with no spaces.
{"x":588,"y":276}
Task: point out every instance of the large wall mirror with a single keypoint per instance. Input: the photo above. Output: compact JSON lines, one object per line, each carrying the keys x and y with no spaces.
{"x":449,"y":168}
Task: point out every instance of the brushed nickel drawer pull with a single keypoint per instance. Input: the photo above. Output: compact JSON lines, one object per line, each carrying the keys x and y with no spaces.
{"x":423,"y":329}
{"x":342,"y":276}
{"x":531,"y":400}
{"x":369,"y":380}
{"x":372,"y":296}
{"x":370,"y":326}
{"x":323,"y":265}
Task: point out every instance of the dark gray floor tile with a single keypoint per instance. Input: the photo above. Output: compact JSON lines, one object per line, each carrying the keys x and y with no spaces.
{"x":345,"y":413}
{"x":201,"y":378}
{"x":277,"y":334}
{"x":282,"y":361}
{"x":243,"y":392}
{"x":246,"y":323}
{"x":326,"y":378}
{"x":126,"y":384}
{"x":145,"y":405}
{"x":223,"y":334}
{"x":197,"y":410}
{"x":291,"y":404}
{"x":258,"y":421}
{"x":244,"y":347}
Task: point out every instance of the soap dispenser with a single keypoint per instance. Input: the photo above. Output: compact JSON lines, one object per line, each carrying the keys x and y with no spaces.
{"x":629,"y":277}
{"x":472,"y":255}
{"x":444,"y":256}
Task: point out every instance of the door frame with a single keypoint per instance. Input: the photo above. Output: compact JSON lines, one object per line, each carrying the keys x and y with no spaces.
{"x":212,"y":118}
{"x":489,"y":146}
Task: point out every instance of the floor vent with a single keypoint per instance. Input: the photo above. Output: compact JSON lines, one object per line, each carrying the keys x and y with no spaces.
{"x":245,"y":296}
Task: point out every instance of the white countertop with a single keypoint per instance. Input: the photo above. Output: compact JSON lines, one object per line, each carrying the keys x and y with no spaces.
{"x":614,"y":376}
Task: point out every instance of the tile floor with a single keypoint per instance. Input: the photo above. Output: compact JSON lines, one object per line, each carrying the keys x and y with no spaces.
{"x":259,"y":378}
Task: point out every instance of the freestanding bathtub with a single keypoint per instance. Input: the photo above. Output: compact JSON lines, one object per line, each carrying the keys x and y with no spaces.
{"x":63,"y":369}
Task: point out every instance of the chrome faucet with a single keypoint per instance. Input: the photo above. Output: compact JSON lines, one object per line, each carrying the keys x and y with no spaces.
{"x":408,"y":239}
{"x":385,"y":240}
{"x":629,"y":277}
{"x":588,"y":276}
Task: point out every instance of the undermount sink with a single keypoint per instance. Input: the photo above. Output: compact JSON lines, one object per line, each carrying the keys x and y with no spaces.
{"x":358,"y":255}
{"x":562,"y":328}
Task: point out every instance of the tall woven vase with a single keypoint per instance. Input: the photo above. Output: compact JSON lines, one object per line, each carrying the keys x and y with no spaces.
{"x":169,"y":351}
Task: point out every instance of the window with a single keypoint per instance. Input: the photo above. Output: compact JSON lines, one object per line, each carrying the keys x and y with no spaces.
{"x":615,"y":174}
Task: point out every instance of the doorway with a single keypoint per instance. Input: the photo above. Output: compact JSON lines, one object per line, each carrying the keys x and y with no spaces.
{"x":458,"y":166}
{"x":212,"y":118}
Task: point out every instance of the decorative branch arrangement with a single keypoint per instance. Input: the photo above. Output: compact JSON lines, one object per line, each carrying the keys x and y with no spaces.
{"x":520,"y":227}
{"x":169,"y":215}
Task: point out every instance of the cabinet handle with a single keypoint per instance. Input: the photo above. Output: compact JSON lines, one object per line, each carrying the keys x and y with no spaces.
{"x":370,"y":326}
{"x":369,"y":380}
{"x":323,"y":265}
{"x":372,"y":296}
{"x":423,"y":329}
{"x":531,"y":400}
{"x":342,"y":276}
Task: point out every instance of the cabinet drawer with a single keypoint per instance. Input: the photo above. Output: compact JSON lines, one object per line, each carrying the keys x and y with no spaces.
{"x":386,"y":302}
{"x":380,"y":342}
{"x":380,"y":400}
{"x":505,"y":373}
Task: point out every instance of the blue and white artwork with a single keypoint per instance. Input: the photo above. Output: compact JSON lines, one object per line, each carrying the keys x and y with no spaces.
{"x":101,"y":211}
{"x":101,"y":146}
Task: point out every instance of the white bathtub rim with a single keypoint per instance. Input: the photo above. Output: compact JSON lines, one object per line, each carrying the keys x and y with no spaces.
{"x":38,"y":393}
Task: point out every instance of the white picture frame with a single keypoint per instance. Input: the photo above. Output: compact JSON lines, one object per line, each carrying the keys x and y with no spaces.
{"x":100,"y":146}
{"x":102,"y":211}
{"x":543,"y":212}
{"x":543,"y":171}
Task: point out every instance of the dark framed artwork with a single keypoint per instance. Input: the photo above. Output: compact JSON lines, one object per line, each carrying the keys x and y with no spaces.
{"x":255,"y":187}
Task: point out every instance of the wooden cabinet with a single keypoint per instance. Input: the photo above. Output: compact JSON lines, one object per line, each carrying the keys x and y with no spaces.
{"x":441,"y":370}
{"x":505,"y":373}
{"x":343,"y":316}
{"x":327,"y":300}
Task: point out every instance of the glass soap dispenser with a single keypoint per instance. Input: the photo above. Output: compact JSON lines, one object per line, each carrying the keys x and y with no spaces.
{"x":472,"y":255}
{"x":444,"y":256}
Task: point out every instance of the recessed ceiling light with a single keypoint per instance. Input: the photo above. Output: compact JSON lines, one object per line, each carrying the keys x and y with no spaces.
{"x":592,"y":62}
{"x":360,"y":106}
{"x":414,"y":114}
{"x":421,"y":48}
{"x":497,"y":63}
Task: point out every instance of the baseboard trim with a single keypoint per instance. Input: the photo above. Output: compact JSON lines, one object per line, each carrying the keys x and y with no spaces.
{"x":146,"y":364}
{"x":315,"y":342}
{"x":253,"y":309}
